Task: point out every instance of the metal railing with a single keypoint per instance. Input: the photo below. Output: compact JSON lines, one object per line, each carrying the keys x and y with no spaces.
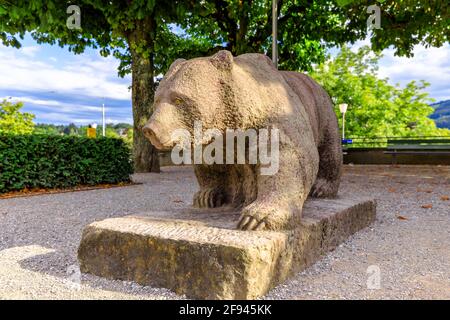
{"x":384,"y":142}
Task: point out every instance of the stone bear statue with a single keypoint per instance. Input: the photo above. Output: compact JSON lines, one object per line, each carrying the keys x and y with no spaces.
{"x":244,"y":92}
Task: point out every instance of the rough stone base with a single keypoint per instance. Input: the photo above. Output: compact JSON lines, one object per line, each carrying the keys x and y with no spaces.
{"x":198,"y":252}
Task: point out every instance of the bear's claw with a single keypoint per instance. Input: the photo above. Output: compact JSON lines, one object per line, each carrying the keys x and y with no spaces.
{"x":322,"y":189}
{"x":208,"y":198}
{"x":251,"y":223}
{"x":264,"y":216}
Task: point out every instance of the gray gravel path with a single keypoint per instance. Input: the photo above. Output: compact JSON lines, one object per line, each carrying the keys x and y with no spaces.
{"x":408,"y":244}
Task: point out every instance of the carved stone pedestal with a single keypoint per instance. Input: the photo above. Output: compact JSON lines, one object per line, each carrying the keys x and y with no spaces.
{"x":200,"y":254}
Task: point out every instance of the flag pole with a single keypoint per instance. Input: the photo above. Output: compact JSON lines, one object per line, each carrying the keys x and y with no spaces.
{"x":103,"y":119}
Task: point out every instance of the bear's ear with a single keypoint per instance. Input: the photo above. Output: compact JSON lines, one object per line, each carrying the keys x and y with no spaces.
{"x":177,"y":62}
{"x":222,"y":60}
{"x":175,"y":65}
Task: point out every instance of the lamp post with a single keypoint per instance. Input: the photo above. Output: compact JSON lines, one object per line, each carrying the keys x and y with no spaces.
{"x":343,"y":109}
{"x":274,"y":33}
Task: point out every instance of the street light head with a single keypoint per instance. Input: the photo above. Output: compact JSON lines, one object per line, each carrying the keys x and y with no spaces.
{"x":343,"y":107}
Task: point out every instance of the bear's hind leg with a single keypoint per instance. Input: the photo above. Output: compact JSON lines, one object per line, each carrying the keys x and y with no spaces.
{"x":330,"y":167}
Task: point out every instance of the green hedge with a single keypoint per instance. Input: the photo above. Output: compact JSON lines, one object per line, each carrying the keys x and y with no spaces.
{"x":43,"y":161}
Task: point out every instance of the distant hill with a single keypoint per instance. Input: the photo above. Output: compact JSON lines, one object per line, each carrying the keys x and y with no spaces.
{"x":441,"y":115}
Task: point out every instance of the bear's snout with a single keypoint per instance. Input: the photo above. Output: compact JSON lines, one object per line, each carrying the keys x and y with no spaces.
{"x":152,"y":133}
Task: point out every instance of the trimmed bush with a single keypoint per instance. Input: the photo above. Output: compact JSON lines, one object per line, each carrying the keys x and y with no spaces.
{"x":43,"y":161}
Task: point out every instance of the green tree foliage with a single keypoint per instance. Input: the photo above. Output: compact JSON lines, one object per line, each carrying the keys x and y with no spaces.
{"x":13,"y":121}
{"x":307,"y":28}
{"x":48,"y":129}
{"x":110,"y":132}
{"x":128,"y":138}
{"x":121,"y":130}
{"x":71,"y":129}
{"x":375,"y":108}
{"x":404,"y":23}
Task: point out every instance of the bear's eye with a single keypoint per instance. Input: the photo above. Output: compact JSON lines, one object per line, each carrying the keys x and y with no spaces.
{"x":178,"y":101}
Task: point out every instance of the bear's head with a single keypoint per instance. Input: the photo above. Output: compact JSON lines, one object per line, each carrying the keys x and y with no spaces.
{"x":191,"y":90}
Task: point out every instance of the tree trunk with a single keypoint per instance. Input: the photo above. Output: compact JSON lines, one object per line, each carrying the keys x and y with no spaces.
{"x":143,"y":91}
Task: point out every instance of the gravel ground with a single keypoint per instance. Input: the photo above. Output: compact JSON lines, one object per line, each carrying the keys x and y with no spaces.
{"x":409,"y":245}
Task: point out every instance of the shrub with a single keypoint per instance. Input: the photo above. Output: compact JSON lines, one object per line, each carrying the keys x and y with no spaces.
{"x":50,"y":161}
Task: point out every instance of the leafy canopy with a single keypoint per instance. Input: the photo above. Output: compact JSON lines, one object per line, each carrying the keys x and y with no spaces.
{"x":173,"y":29}
{"x":117,"y":28}
{"x":307,"y":28}
{"x":404,"y":23}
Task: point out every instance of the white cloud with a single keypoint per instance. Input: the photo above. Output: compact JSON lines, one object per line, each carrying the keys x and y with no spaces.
{"x":429,"y":64}
{"x":56,"y":105}
{"x":360,"y":43}
{"x":90,"y":75}
{"x":63,"y":118}
{"x":115,"y":121}
{"x":30,"y":51}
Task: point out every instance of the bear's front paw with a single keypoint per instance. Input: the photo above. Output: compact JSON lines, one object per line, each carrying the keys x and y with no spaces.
{"x":258,"y":216}
{"x":324,"y":189}
{"x":208,"y":198}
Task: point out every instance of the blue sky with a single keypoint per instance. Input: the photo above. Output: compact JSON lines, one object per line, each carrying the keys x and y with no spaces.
{"x":60,"y":87}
